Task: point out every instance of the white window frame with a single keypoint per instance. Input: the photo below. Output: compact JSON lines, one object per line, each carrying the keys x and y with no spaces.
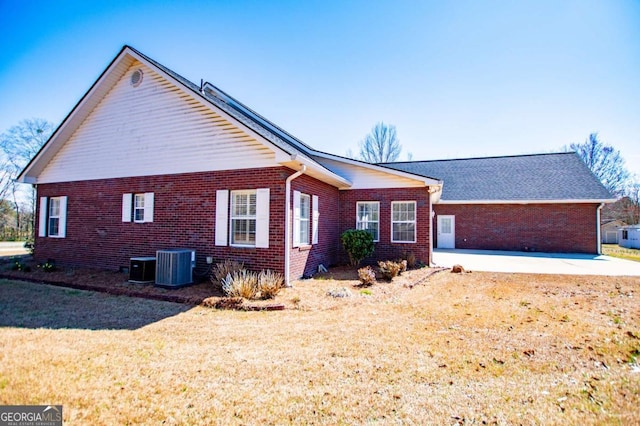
{"x":305,"y":220}
{"x":138,"y":208}
{"x":248,"y":217}
{"x":361,"y":224}
{"x":54,"y":215}
{"x":407,"y":221}
{"x":44,"y":225}
{"x":130,"y":206}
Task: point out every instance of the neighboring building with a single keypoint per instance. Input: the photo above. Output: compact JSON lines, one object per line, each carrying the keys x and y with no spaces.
{"x":544,"y":202}
{"x":629,"y":236}
{"x":148,"y":160}
{"x":609,"y":231}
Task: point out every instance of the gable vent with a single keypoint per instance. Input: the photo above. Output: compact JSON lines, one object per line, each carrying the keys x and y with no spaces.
{"x":136,"y":78}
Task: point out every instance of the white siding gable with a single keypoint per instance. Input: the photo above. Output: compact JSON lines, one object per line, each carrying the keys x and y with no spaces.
{"x":155,"y":128}
{"x":367,"y":178}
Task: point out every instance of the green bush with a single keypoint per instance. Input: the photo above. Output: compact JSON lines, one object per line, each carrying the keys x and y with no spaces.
{"x":358,"y":244}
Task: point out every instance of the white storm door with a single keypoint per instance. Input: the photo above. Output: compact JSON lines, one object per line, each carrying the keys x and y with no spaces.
{"x":446,"y":232}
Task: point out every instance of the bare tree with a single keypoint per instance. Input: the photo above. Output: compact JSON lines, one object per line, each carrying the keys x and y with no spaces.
{"x":605,"y":162}
{"x":18,"y":146}
{"x":631,"y":206}
{"x":381,"y":145}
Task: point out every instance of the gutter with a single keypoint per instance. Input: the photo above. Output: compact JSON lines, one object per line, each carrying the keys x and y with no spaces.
{"x":287,"y":215}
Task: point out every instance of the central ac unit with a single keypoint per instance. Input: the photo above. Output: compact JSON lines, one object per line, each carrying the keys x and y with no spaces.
{"x":174,"y":267}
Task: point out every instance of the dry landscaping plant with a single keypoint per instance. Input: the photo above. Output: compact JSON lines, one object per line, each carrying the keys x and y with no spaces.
{"x":410,"y":257}
{"x":241,"y":283}
{"x":366,"y":276}
{"x":390,"y":269}
{"x":269,"y":284}
{"x":223,"y":269}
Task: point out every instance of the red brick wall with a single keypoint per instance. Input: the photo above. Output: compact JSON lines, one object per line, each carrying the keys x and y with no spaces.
{"x":385,"y":249}
{"x":184,"y":217}
{"x":305,"y":260}
{"x":569,"y":228}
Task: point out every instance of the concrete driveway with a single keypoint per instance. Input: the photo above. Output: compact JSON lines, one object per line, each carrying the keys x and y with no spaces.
{"x":535,"y":263}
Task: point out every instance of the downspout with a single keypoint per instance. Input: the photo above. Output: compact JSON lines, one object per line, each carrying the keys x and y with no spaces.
{"x":598,"y":232}
{"x":287,"y":215}
{"x":431,"y":264}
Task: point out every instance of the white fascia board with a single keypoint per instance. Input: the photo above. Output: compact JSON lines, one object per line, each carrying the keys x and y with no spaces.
{"x":577,"y":201}
{"x":427,"y":181}
{"x":334,"y":179}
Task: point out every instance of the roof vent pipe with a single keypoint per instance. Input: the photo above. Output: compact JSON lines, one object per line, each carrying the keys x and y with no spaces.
{"x":287,"y":215}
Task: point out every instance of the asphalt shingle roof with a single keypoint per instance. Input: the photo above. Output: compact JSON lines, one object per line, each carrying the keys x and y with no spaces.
{"x":541,"y":177}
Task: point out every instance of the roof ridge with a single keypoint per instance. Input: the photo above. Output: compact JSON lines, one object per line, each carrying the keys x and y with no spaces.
{"x":480,"y":158}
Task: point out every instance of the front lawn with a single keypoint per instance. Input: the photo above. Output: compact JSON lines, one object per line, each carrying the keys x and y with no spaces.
{"x":615,"y":250}
{"x":457,"y":348}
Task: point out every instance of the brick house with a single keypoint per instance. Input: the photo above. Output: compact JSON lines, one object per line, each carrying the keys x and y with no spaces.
{"x":148,"y":161}
{"x":542,"y":202}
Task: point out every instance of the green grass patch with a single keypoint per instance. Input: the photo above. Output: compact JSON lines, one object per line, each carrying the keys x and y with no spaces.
{"x":614,"y":250}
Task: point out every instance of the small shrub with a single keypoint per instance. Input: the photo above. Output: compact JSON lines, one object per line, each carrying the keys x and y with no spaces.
{"x":389,"y":269}
{"x":18,"y":265}
{"x":358,"y":244}
{"x":48,"y":266}
{"x":366,"y":276}
{"x":403,"y":266}
{"x":269,"y":284}
{"x":410,"y":257}
{"x":223,"y":269}
{"x":241,"y":284}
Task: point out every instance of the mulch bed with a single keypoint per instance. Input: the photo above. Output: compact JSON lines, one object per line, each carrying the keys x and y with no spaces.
{"x":110,"y":282}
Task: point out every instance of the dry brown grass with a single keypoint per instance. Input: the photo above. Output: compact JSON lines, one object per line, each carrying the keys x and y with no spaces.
{"x":460,"y":348}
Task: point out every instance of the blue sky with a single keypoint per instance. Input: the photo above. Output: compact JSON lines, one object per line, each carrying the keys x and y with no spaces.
{"x":457,"y":78}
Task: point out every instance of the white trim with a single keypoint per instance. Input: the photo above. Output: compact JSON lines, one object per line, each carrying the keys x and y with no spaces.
{"x":287,"y":224}
{"x":315,"y":218}
{"x":148,"y":207}
{"x":247,"y":192}
{"x":307,"y":219}
{"x":127,"y":206}
{"x":414,"y":221}
{"x":42,"y":217}
{"x":222,"y":217}
{"x":453,"y":230}
{"x":134,"y":208}
{"x":427,"y":181}
{"x":262,"y":218}
{"x":62,"y":218}
{"x":598,"y":230}
{"x":589,"y":201}
{"x":375,"y":240}
{"x":296,"y":218}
